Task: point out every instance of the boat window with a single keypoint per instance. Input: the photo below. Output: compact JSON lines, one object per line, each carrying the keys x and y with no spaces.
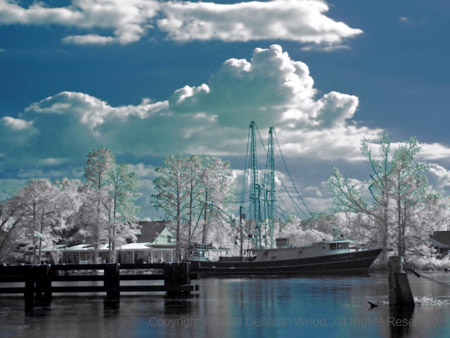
{"x":333,"y":246}
{"x":274,"y":258}
{"x":300,"y":252}
{"x":345,"y":245}
{"x":339,"y":246}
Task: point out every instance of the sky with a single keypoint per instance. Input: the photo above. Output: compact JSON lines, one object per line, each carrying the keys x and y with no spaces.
{"x":150,"y":78}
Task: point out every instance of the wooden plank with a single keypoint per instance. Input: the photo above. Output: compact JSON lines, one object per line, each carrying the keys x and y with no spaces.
{"x":99,"y":288}
{"x":143,"y":266}
{"x":77,"y":278}
{"x":142,"y":277}
{"x":12,"y":279}
{"x":134,"y":288}
{"x":12,"y":290}
{"x":14,"y":269}
{"x":78,"y":267}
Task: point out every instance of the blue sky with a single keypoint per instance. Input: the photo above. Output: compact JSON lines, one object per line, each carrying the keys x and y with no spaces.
{"x":148,"y":78}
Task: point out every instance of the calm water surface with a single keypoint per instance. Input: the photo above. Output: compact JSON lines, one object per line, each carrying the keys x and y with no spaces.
{"x":257,"y":307}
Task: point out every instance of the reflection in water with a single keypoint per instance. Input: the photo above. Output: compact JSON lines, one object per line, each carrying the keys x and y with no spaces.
{"x":400,"y":321}
{"x":284,"y":307}
{"x":173,"y":307}
{"x":111,"y":306}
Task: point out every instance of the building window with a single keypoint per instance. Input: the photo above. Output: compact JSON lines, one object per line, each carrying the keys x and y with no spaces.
{"x":169,"y":239}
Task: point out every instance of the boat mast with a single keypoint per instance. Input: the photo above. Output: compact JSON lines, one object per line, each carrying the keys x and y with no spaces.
{"x":271,"y":197}
{"x":255,"y":191}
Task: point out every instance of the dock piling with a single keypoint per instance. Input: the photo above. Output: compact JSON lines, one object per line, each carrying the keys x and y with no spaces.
{"x":38,"y":279}
{"x":399,"y":289}
{"x":112,"y":281}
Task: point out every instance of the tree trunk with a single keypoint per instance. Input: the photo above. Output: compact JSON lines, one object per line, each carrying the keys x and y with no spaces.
{"x":205,"y":217}
{"x":42,"y":230}
{"x":34,"y":237}
{"x":178,"y":218}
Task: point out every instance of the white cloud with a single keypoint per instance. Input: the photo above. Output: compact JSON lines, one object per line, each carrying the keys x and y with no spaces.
{"x":212,"y":118}
{"x":130,"y":20}
{"x":434,"y":151}
{"x":90,"y":39}
{"x":439,"y":177}
{"x":269,"y":89}
{"x":16,"y":124}
{"x":143,"y":171}
{"x":280,"y":19}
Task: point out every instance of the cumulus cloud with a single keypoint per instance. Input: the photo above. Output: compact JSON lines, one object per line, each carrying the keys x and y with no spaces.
{"x":434,"y":151}
{"x":439,"y":177}
{"x":129,"y":21}
{"x":280,"y":19}
{"x":269,"y":88}
{"x":212,"y":118}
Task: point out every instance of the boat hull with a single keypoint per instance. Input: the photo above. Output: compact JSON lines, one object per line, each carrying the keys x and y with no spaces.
{"x":352,"y":263}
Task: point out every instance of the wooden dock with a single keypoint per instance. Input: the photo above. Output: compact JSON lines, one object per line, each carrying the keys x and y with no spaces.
{"x":38,"y":287}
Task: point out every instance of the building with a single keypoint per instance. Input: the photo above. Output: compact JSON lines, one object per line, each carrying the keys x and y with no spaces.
{"x":441,"y":241}
{"x":155,"y":244}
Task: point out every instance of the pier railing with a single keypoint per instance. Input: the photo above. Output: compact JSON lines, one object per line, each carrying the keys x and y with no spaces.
{"x":38,"y":280}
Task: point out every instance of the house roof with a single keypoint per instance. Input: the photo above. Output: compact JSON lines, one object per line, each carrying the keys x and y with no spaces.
{"x":438,"y":244}
{"x":150,"y":230}
{"x":135,"y":246}
{"x":442,"y":237}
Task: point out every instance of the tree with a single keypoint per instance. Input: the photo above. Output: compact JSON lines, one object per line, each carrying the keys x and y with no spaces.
{"x":96,"y":172}
{"x":409,"y":188}
{"x":216,"y":182}
{"x":113,"y":192}
{"x":171,"y":187}
{"x":122,"y":210}
{"x":186,"y":185}
{"x":395,"y":188}
{"x":10,"y":217}
{"x":39,"y":201}
{"x":194,"y":189}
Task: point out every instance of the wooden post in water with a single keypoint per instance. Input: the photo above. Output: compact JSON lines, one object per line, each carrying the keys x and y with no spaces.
{"x":399,"y":290}
{"x":29,"y":288}
{"x":43,"y":286}
{"x":112,"y":281}
{"x":38,"y":286}
{"x":175,"y":276}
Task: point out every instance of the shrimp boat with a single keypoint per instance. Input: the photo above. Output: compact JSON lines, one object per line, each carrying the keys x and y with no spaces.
{"x":335,"y":257}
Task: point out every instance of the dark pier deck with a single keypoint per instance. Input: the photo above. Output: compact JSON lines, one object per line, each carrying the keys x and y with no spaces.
{"x":38,"y":279}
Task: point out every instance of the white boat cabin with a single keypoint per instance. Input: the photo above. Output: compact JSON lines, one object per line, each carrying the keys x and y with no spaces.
{"x":323,"y":248}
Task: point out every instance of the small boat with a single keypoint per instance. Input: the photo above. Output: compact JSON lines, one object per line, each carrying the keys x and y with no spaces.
{"x":335,"y":257}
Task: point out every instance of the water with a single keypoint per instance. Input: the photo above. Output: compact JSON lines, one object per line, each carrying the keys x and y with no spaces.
{"x":280,"y":307}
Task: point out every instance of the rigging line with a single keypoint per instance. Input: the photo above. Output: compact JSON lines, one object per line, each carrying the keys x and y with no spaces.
{"x":236,"y":225}
{"x":296,"y":206}
{"x":282,"y":212}
{"x":429,"y":278}
{"x":260,"y":138}
{"x":289,"y":174}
